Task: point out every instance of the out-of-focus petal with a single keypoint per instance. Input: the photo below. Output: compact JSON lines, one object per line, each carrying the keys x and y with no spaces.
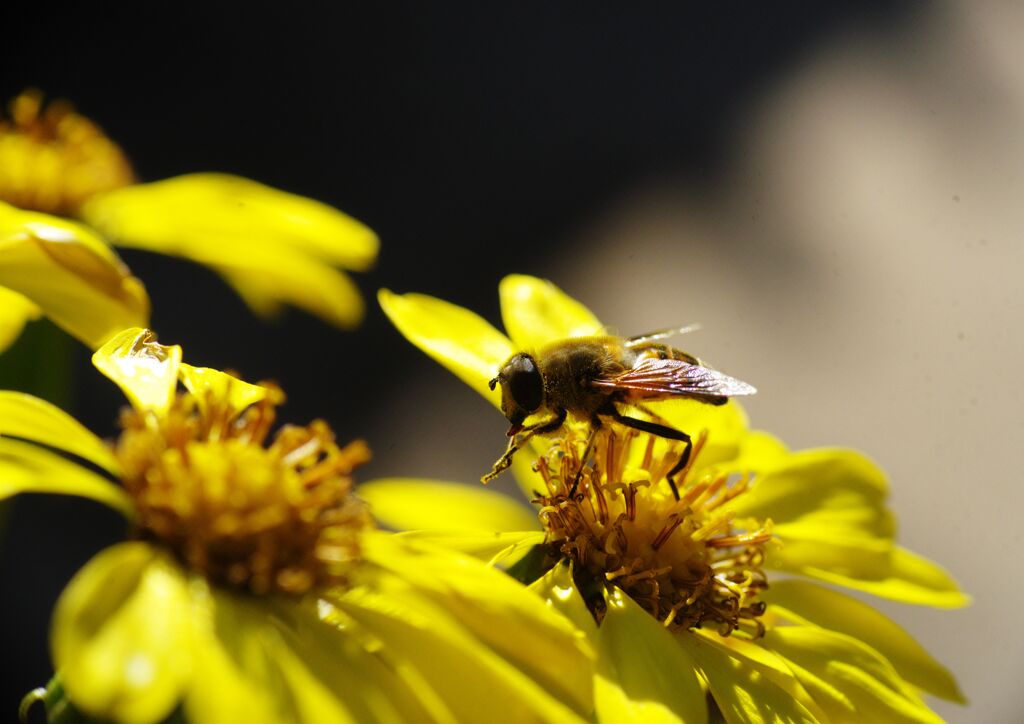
{"x":460,"y":340}
{"x":643,"y":675}
{"x":16,"y":310}
{"x":811,"y":604}
{"x":531,"y":635}
{"x":745,"y":693}
{"x":71,"y":274}
{"x":273,"y":247}
{"x":904,"y":576}
{"x":417,"y":504}
{"x":495,"y":548}
{"x":123,"y":637}
{"x":469,"y":679}
{"x":184,"y":213}
{"x":847,"y":678}
{"x":28,"y":468}
{"x":536,"y":312}
{"x":27,"y":417}
{"x":147,"y":372}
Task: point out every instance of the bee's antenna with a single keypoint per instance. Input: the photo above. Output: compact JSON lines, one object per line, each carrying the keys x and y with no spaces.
{"x":492,"y":383}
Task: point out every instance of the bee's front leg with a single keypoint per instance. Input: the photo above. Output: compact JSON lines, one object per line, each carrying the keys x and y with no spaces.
{"x":518,"y":441}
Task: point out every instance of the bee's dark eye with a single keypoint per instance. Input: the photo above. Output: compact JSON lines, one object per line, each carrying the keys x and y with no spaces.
{"x":524,"y":382}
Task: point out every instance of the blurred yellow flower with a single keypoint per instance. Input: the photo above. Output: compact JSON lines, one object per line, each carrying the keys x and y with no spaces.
{"x":676,"y":595}
{"x":274,"y":248}
{"x":256,"y":587}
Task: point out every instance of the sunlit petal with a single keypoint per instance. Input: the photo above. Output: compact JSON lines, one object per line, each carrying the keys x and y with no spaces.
{"x":28,"y":468}
{"x":147,"y":372}
{"x":210,"y":384}
{"x":70,"y":273}
{"x":536,"y":312}
{"x":123,"y":637}
{"x":411,"y":504}
{"x":31,"y":418}
{"x":15,"y":312}
{"x":457,"y":338}
{"x":643,"y":674}
{"x":808,"y":603}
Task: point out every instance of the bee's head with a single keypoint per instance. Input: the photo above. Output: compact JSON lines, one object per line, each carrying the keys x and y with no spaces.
{"x":522,"y":389}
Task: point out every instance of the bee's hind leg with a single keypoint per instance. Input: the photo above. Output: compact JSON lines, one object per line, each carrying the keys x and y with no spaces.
{"x":654,"y":428}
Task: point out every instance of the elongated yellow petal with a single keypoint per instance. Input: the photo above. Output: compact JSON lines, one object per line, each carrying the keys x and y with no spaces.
{"x":643,"y":675}
{"x":811,"y":604}
{"x":536,"y":312}
{"x":531,"y":635}
{"x":905,"y":577}
{"x":412,"y":504}
{"x":184,"y":213}
{"x":70,"y":273}
{"x":847,"y":678}
{"x":502,"y":549}
{"x":28,"y":468}
{"x":15,"y":312}
{"x":456,"y":337}
{"x":470,"y":679}
{"x":742,"y":690}
{"x":147,"y":372}
{"x":273,"y":247}
{"x":30,"y":418}
{"x":123,"y":636}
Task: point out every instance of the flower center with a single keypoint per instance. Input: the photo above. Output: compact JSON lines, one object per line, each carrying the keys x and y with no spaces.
{"x":269,"y":518}
{"x":53,"y":159}
{"x":683,"y":561}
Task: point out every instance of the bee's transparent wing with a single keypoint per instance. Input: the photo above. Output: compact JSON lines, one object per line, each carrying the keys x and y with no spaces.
{"x":654,"y":378}
{"x":645,"y":339}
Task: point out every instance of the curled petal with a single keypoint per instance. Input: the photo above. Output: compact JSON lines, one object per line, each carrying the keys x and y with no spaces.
{"x":147,"y":372}
{"x":70,"y":274}
{"x":16,"y":310}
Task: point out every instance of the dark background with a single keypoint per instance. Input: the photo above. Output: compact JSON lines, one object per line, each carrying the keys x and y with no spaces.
{"x":473,"y":139}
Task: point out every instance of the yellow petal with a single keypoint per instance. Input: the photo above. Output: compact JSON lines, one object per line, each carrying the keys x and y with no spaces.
{"x":849,"y":680}
{"x":273,"y":247}
{"x":181,"y":214}
{"x":122,"y":635}
{"x":30,"y":418}
{"x":15,"y":312}
{"x":70,"y":273}
{"x":536,"y":312}
{"x":558,"y":589}
{"x":206,"y":384}
{"x":457,"y":338}
{"x":147,"y":372}
{"x":418,"y":504}
{"x":810,"y":604}
{"x":531,"y":636}
{"x":743,"y":691}
{"x":905,"y":577}
{"x":28,"y":468}
{"x":468,"y":677}
{"x":643,"y":675}
{"x":502,"y":549}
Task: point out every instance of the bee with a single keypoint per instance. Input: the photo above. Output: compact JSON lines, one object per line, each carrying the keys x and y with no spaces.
{"x":592,"y":378}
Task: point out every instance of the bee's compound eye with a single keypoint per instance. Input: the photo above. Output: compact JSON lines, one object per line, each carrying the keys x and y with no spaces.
{"x":525,"y":383}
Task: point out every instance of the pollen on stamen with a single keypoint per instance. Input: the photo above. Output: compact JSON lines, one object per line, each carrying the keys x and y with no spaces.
{"x":684,"y":561}
{"x":53,"y":159}
{"x":275,"y":517}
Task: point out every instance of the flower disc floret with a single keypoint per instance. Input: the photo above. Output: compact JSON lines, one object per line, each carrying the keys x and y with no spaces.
{"x":269,"y":518}
{"x":685,"y":562}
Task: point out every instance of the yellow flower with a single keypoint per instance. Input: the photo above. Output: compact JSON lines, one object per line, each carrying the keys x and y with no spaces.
{"x":718,"y":593}
{"x":255,"y":587}
{"x":274,"y":248}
